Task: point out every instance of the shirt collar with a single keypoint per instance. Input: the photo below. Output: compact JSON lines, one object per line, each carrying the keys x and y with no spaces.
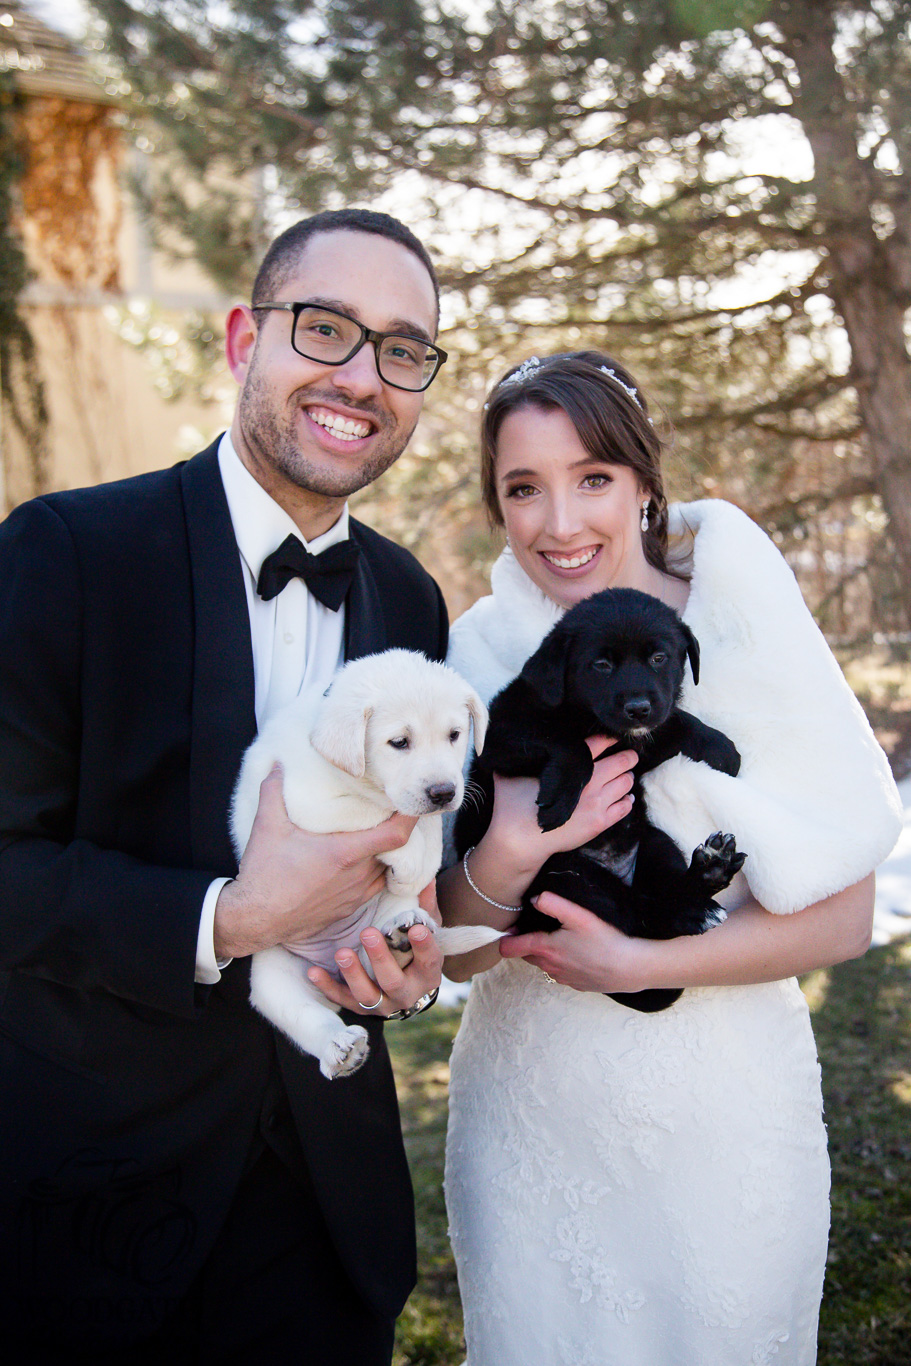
{"x":260,"y":525}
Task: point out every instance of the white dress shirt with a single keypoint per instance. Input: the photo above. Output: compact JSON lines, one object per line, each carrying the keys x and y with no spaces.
{"x":298,"y":644}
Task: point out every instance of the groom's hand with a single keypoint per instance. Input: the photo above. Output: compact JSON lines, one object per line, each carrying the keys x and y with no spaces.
{"x":292,"y":883}
{"x":400,"y":986}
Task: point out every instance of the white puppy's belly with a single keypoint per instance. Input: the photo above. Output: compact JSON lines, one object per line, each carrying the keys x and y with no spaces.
{"x":320,"y":950}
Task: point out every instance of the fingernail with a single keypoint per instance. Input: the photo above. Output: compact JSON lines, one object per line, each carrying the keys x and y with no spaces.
{"x":419,"y":933}
{"x":371,"y":937}
{"x":313,"y":975}
{"x":344,"y":958}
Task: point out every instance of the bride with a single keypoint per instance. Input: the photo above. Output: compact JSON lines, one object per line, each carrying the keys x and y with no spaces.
{"x":652,"y":1190}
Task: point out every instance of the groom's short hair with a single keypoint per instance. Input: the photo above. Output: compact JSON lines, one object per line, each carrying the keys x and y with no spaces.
{"x":285,"y":252}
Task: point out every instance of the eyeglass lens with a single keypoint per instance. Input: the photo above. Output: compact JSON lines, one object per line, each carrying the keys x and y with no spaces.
{"x":330,"y":337}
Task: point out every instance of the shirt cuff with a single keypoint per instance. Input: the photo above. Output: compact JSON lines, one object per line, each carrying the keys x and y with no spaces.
{"x":208,"y":967}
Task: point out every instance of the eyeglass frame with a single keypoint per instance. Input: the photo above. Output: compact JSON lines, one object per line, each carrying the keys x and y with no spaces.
{"x":367,"y":335}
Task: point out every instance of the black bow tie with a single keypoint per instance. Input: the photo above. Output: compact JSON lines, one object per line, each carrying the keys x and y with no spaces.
{"x":327,"y":575}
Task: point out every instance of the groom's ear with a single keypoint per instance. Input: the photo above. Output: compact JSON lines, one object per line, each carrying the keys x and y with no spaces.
{"x":545,"y":672}
{"x":240,"y":339}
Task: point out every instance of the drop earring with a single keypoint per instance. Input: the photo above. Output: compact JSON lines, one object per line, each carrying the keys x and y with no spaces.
{"x":645,"y":507}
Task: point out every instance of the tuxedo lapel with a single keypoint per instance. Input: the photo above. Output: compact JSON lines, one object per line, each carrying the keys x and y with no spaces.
{"x":224,"y":720}
{"x":365,"y":620}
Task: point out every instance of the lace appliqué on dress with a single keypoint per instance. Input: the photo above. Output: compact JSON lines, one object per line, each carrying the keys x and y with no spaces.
{"x":589,"y":1267}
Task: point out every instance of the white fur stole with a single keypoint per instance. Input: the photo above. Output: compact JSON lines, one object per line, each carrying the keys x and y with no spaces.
{"x":814,"y":805}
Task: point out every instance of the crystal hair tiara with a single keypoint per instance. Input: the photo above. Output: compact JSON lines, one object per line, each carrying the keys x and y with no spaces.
{"x":628,"y":388}
{"x":523,"y":371}
{"x":533,"y":364}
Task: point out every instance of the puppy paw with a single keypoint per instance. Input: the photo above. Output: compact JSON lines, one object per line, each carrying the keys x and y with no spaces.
{"x":722,"y":754}
{"x":560,"y":787}
{"x":554,"y":811}
{"x":716,"y":861}
{"x":345,"y":1053}
{"x":395,"y":930}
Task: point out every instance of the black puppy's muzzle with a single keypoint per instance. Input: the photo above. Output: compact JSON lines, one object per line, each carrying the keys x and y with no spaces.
{"x":634,"y":714}
{"x":638,"y":710}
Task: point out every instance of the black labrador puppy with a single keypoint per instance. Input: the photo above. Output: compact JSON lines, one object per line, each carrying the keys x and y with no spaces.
{"x":613,"y":665}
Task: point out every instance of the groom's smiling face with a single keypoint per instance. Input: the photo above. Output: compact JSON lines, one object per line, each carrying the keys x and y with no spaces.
{"x":306,"y":428}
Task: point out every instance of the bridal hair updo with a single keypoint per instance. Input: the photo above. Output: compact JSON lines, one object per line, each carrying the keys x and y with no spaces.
{"x":610,"y":414}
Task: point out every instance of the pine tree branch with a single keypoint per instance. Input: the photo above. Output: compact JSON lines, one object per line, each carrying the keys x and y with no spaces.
{"x":805,"y":507}
{"x":807,"y":396}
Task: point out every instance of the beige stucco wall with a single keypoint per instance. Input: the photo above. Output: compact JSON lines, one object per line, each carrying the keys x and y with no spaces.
{"x":107,"y":419}
{"x":95,"y":276}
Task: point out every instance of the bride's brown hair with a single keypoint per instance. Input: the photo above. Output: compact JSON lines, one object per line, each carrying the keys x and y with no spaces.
{"x":610,"y":414}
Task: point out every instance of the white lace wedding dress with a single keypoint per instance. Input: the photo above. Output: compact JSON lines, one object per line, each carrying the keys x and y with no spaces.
{"x":652,"y":1190}
{"x":636,"y":1190}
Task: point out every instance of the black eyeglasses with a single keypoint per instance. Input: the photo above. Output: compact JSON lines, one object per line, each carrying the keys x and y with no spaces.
{"x":332,"y":338}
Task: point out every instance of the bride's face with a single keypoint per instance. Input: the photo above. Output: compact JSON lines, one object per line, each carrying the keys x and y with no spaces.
{"x":573,"y":522}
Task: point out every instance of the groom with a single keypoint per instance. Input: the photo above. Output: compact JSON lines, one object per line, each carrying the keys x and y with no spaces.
{"x":177,"y":1183}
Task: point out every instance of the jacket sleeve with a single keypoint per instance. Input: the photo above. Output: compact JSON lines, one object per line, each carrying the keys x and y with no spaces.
{"x":442,"y":645}
{"x":74,"y":913}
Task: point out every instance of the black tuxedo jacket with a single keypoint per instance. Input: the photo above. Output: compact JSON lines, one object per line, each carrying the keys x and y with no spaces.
{"x":130,"y":1096}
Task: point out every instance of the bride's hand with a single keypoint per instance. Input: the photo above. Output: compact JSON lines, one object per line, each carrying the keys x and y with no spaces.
{"x":586,"y":953}
{"x":605,"y":800}
{"x":514,"y":847}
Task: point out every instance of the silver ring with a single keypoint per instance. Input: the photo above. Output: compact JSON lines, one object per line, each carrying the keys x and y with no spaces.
{"x":553,"y":981}
{"x":374,"y":1006}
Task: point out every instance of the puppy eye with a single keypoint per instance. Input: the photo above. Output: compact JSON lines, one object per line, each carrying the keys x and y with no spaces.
{"x":453,"y":736}
{"x":658,"y":659}
{"x":604,"y":666}
{"x":400,"y":742}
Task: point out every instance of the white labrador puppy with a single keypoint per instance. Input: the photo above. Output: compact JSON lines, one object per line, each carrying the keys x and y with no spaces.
{"x":390,"y":734}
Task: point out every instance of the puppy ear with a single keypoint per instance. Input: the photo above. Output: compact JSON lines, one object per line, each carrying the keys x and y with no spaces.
{"x":478,"y":713}
{"x":340,"y":736}
{"x":545,"y":672}
{"x":692,"y":650}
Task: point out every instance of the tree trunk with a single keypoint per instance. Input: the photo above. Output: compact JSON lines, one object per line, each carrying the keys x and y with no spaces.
{"x":868,"y":278}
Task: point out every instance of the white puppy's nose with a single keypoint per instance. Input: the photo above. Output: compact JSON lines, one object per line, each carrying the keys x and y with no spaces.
{"x":441,"y":794}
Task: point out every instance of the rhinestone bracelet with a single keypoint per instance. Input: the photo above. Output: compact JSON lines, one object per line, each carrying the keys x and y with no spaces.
{"x":476,"y":889}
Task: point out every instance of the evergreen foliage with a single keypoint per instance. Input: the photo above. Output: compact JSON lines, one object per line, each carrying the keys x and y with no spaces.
{"x":717,"y":190}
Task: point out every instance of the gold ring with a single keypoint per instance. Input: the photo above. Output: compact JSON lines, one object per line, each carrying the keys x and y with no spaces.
{"x":374,"y":1006}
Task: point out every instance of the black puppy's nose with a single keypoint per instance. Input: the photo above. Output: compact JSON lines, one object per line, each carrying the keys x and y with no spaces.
{"x":441,"y":793}
{"x":637,"y":709}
